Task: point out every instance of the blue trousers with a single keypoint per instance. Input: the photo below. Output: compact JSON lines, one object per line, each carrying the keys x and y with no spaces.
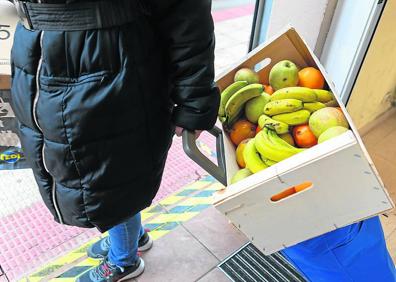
{"x":124,"y":240}
{"x":355,"y":253}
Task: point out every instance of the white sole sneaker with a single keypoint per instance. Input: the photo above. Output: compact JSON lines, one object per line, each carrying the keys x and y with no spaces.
{"x":146,"y":246}
{"x":136,"y":273}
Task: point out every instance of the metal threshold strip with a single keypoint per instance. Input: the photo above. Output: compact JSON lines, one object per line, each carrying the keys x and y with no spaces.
{"x":248,"y":264}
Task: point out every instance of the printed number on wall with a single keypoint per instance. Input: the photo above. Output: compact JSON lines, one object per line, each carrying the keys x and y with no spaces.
{"x":4,"y":33}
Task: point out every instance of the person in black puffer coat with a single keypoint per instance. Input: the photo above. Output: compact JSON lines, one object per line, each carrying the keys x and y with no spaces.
{"x":98,"y":107}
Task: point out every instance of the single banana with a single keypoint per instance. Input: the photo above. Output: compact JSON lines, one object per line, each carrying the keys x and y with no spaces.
{"x":314,"y":106}
{"x":332,"y":103}
{"x":229,"y":121}
{"x":278,"y":126}
{"x":282,"y":106}
{"x":324,"y":96}
{"x":268,"y":162}
{"x":252,"y":158}
{"x":237,"y":101}
{"x":240,"y":174}
{"x":269,"y":150}
{"x":295,"y":118}
{"x":300,"y":93}
{"x":276,"y":140}
{"x":227,"y":93}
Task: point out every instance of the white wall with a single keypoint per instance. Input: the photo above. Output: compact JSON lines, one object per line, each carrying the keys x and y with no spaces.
{"x":8,"y":20}
{"x":306,"y":16}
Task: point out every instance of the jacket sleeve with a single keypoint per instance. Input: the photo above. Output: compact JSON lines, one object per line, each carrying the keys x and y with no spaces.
{"x":186,"y":28}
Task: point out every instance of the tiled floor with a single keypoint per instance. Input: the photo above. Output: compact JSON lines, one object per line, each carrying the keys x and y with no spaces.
{"x":380,"y":143}
{"x":195,"y":248}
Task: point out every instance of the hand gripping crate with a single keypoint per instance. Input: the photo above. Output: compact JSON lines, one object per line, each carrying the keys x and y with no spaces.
{"x":344,"y":186}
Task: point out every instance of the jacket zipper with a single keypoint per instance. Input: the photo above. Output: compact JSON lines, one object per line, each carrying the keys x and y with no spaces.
{"x":36,"y":97}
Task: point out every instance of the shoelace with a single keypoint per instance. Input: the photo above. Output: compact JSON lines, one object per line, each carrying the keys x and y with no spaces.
{"x":104,"y":270}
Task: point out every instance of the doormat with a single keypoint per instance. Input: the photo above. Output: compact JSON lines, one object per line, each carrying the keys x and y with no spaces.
{"x":249,"y":265}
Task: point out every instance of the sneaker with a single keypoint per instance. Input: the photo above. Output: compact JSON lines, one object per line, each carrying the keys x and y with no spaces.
{"x":145,"y":242}
{"x":100,"y":249}
{"x":106,"y":271}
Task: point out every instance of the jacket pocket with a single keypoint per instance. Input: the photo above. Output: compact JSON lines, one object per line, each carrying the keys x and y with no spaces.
{"x":101,"y":118}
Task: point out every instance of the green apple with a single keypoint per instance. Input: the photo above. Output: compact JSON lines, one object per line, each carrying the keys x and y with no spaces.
{"x":325,"y":118}
{"x":248,"y":75}
{"x":254,"y":108}
{"x":283,"y":74}
{"x":240,"y":174}
{"x":331,"y":133}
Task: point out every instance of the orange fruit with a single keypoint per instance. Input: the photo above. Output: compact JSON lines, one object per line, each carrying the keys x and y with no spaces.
{"x":304,"y":137}
{"x":311,"y":77}
{"x":268,"y":89}
{"x":258,"y":129}
{"x":288,"y":138}
{"x":239,"y":153}
{"x":242,"y":130}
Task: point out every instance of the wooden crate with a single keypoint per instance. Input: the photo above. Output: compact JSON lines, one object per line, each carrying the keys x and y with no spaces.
{"x":346,"y":187}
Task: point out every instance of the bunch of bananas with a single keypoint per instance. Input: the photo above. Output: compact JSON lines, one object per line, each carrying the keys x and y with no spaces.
{"x":266,"y":149}
{"x":233,"y":100}
{"x":294,"y":105}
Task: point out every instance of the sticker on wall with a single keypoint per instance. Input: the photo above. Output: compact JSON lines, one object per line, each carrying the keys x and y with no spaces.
{"x":11,"y":154}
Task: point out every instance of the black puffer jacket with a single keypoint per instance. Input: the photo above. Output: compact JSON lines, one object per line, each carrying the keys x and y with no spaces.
{"x":95,"y":107}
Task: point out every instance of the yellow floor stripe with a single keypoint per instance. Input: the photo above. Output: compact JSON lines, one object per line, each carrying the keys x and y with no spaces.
{"x":172,"y":200}
{"x":156,"y":234}
{"x":163,"y":221}
{"x":88,"y":262}
{"x":71,"y":279}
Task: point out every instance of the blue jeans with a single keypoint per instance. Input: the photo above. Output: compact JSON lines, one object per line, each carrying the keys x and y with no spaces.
{"x":124,"y":239}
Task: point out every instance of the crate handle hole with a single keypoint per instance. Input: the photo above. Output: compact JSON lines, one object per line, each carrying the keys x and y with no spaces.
{"x":292,"y":191}
{"x":262,"y":64}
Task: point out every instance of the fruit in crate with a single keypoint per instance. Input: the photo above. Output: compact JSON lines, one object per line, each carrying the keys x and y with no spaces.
{"x":295,"y":118}
{"x":236,"y":104}
{"x":252,"y":157}
{"x":226,"y":95}
{"x":304,"y":137}
{"x":314,"y":106}
{"x":288,"y":138}
{"x":240,"y":174}
{"x":303,"y":94}
{"x":278,"y":126}
{"x":326,"y":118}
{"x":324,"y":96}
{"x":258,"y":129}
{"x":254,"y":107}
{"x":272,"y":147}
{"x":282,"y":106}
{"x":268,"y":126}
{"x":246,"y":74}
{"x":239,"y":153}
{"x":332,"y":103}
{"x":241,"y":130}
{"x":331,"y":133}
{"x":268,"y":162}
{"x":283,"y":74}
{"x":268,"y":89}
{"x":311,"y":77}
